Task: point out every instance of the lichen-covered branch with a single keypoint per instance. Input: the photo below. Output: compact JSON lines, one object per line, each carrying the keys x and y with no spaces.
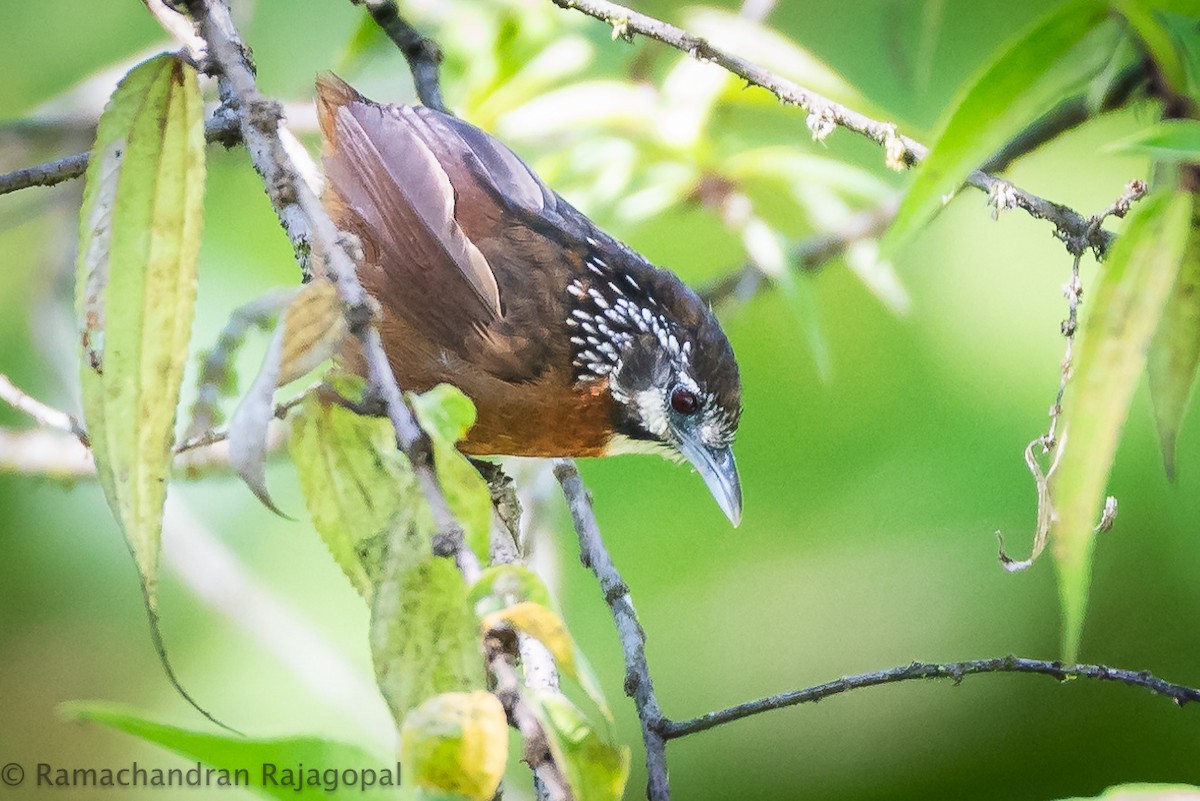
{"x":311,"y":230}
{"x":825,"y":114}
{"x":954,"y":671}
{"x":638,"y":683}
{"x":501,"y":649}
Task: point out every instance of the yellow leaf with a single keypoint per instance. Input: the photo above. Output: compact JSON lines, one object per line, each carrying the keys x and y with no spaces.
{"x":456,"y":743}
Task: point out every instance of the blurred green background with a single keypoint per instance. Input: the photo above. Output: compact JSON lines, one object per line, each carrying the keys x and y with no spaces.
{"x":872,"y":494}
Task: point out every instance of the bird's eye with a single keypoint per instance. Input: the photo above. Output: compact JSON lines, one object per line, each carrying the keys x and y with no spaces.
{"x":684,"y":401}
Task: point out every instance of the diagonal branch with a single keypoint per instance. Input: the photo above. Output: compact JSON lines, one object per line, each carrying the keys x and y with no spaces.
{"x":955,"y":671}
{"x":423,"y":55}
{"x":824,"y":114}
{"x":310,"y":230}
{"x":638,"y":684}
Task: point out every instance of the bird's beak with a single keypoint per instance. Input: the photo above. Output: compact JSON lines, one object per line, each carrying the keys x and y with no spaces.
{"x":719,"y":471}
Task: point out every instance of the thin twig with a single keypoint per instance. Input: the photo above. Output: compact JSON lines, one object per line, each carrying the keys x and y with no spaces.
{"x":955,"y":671}
{"x":638,"y":684}
{"x":1051,"y":442}
{"x":221,"y":128}
{"x":44,"y":415}
{"x":423,"y":55}
{"x":825,"y":114}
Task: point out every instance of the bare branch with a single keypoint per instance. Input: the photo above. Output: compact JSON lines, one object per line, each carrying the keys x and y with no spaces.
{"x":824,"y":114}
{"x":638,"y":684}
{"x":423,"y":55}
{"x":222,"y":128}
{"x":41,"y":413}
{"x":927,"y":670}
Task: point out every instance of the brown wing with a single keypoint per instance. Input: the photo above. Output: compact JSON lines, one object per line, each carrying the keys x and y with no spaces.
{"x":454,"y":227}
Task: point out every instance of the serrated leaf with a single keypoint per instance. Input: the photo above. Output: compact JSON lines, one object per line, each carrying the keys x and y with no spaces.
{"x":1146,"y":792}
{"x":424,"y":637}
{"x":595,"y":768}
{"x":136,"y":288}
{"x":456,"y":743}
{"x":1175,"y":352}
{"x":1126,"y":309}
{"x":1169,"y":140}
{"x":312,"y":330}
{"x":1042,"y":65}
{"x":271,"y":768}
{"x":446,"y":414}
{"x":357,"y":486}
{"x":1155,"y":38}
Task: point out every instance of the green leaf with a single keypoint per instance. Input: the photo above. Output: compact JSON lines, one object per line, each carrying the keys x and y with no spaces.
{"x":1146,"y":792}
{"x":136,"y":287}
{"x":1126,"y":309}
{"x":446,"y":414}
{"x":357,"y":486}
{"x":1047,"y":62}
{"x":595,"y":768}
{"x":1156,"y":39}
{"x":456,"y":743}
{"x":501,"y":586}
{"x":1169,"y":140}
{"x":424,"y":638}
{"x":293,"y":768}
{"x":1175,"y":351}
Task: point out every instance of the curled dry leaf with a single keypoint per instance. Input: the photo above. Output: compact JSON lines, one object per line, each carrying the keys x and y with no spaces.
{"x":312,"y":331}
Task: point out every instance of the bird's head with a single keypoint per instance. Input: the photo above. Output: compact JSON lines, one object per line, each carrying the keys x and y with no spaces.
{"x":666,"y":362}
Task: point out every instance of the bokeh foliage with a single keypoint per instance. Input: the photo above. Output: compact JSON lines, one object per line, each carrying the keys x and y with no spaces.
{"x":879,"y":451}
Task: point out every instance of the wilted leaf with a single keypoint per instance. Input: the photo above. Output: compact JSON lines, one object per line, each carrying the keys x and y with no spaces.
{"x":357,"y":486}
{"x":1169,"y":140}
{"x":456,"y":743}
{"x":595,"y":768}
{"x":445,"y":414}
{"x":312,"y":330}
{"x":136,"y":287}
{"x":1027,"y":76}
{"x":281,"y":768}
{"x":1126,"y":308}
{"x":1175,"y":351}
{"x":424,"y":637}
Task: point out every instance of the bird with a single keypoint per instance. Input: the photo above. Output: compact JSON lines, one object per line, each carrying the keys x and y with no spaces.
{"x":569,"y":343}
